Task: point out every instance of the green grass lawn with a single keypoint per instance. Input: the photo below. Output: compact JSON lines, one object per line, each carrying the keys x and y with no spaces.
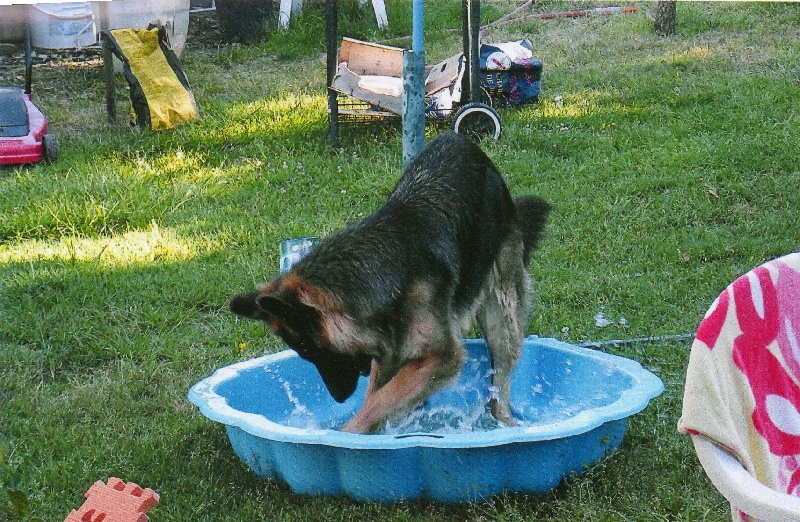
{"x":672,"y":163}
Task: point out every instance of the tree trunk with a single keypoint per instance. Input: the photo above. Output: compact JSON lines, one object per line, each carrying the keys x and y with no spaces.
{"x":664,"y":21}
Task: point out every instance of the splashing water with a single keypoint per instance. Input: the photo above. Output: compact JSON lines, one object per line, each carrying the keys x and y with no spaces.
{"x":301,"y":416}
{"x":444,"y":420}
{"x":545,"y":398}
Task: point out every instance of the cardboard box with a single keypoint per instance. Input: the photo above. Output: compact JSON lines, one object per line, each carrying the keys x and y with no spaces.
{"x":374,"y":73}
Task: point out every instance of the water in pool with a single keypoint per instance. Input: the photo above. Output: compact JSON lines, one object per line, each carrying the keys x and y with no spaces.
{"x":539,"y":397}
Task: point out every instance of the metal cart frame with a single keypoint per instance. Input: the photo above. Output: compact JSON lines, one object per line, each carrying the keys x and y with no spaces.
{"x":473,"y":114}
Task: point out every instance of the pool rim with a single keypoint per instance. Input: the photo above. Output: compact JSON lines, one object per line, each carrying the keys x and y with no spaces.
{"x":644,"y":386}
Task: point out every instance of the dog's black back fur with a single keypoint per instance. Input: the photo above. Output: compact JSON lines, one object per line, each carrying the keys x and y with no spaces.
{"x":443,"y":226}
{"x":426,"y":230}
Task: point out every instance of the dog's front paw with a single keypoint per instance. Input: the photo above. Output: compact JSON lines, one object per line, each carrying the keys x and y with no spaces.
{"x":502,"y":412}
{"x":354,"y":427}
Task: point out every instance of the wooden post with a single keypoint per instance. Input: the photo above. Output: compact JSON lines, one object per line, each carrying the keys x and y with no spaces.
{"x":108,"y":76}
{"x":664,"y":20}
{"x":284,"y":13}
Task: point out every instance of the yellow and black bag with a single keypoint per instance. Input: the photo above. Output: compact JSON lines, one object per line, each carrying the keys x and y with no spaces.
{"x":161,"y":97}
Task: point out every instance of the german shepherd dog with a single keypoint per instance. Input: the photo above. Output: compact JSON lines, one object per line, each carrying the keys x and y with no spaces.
{"x":390,"y":296}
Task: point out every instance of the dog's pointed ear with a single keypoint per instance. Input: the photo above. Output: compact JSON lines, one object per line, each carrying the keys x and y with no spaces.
{"x":274,"y":306}
{"x":245,"y":305}
{"x":287,"y":310}
{"x":267,"y":307}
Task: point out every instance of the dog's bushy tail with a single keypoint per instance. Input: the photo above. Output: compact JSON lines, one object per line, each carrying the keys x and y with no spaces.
{"x":532,"y":214}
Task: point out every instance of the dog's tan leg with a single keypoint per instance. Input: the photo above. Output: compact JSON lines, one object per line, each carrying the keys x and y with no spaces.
{"x":429,"y":357}
{"x":503,"y":318}
{"x":374,"y":375}
{"x":415,"y":381}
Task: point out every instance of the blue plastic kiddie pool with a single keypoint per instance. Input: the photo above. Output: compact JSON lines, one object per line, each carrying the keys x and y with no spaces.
{"x":572,"y":404}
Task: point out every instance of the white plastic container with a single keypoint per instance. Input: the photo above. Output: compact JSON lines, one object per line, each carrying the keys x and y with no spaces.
{"x":12,"y":23}
{"x":62,"y":26}
{"x":138,"y":14}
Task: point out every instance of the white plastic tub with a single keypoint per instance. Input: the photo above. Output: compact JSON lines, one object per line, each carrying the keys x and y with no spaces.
{"x":12,"y":23}
{"x":138,"y":14}
{"x":62,"y":26}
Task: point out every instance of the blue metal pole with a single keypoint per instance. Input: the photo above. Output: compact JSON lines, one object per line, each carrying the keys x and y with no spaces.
{"x":414,"y":89}
{"x":417,"y":26}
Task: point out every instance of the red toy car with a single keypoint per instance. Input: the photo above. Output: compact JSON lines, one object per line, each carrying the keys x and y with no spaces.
{"x":23,"y":127}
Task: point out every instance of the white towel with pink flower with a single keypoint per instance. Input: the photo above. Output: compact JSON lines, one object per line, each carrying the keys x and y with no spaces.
{"x":743,"y":379}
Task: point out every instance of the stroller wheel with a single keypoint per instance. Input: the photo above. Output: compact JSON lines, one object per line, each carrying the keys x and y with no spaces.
{"x":477,"y":120}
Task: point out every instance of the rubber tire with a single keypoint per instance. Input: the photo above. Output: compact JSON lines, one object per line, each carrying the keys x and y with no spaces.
{"x":477,"y":120}
{"x":49,"y":148}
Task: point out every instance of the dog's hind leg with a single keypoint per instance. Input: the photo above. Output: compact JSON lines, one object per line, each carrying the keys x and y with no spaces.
{"x":503,"y":317}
